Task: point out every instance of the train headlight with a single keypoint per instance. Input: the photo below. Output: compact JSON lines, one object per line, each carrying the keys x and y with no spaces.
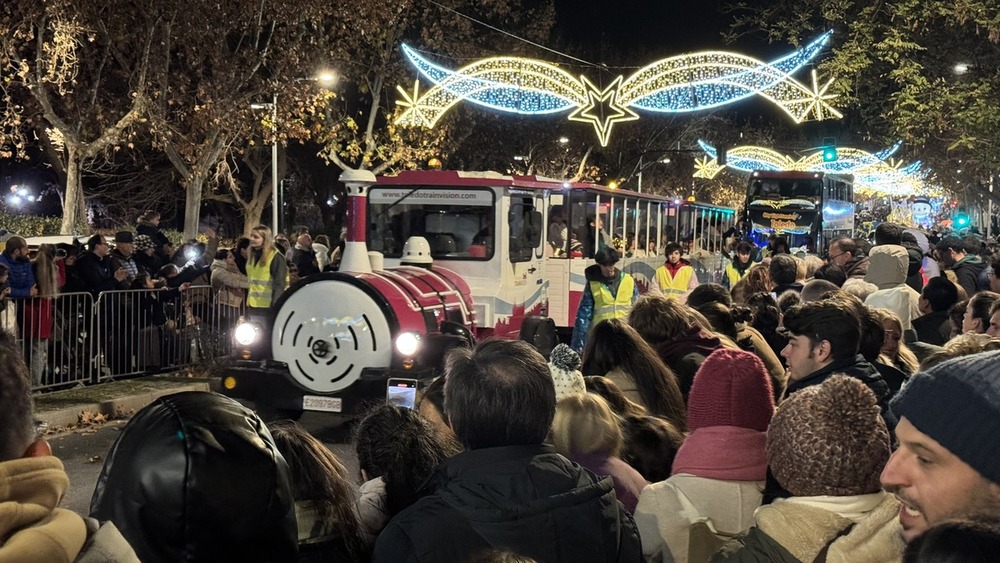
{"x":408,"y":343}
{"x":246,"y":333}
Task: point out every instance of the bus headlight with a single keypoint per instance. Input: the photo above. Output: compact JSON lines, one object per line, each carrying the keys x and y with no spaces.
{"x":408,"y":343}
{"x":246,"y":333}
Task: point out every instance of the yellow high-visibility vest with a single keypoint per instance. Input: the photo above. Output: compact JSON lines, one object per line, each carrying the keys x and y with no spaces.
{"x":674,"y":285}
{"x":734,"y":275}
{"x":607,"y":306}
{"x":259,"y":276}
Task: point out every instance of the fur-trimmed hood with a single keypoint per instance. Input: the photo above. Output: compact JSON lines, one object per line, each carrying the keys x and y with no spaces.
{"x":803,"y":529}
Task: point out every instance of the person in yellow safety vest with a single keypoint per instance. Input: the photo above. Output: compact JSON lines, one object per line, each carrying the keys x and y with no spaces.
{"x":267,"y":272}
{"x":738,"y":268}
{"x":608,"y":294}
{"x":675,"y":278}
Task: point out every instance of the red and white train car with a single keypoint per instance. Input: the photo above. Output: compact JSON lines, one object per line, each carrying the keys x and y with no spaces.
{"x":435,"y":257}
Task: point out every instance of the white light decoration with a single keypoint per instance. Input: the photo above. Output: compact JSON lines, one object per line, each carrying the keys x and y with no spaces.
{"x":874,"y":173}
{"x":684,"y":83}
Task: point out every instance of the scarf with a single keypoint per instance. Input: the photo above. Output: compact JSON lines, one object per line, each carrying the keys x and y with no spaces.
{"x":728,"y":453}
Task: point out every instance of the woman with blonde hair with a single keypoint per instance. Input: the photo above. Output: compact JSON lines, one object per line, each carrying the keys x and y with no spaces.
{"x":586,"y":431}
{"x":267,"y":271}
{"x":894,"y":351}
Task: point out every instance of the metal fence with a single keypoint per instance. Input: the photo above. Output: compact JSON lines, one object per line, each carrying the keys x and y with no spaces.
{"x":73,"y":339}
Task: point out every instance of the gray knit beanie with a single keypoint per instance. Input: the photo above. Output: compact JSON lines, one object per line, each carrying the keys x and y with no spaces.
{"x":957,"y":403}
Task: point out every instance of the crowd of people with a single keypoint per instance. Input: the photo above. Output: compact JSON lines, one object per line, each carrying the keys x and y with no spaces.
{"x":845,"y":409}
{"x":143,"y":328}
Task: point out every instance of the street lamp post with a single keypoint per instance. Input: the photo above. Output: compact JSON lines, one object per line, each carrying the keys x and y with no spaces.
{"x":326,"y":78}
{"x":274,"y":165}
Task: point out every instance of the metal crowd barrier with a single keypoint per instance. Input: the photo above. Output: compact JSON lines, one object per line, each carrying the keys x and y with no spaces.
{"x":71,"y":339}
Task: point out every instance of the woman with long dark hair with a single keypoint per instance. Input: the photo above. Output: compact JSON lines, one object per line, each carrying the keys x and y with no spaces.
{"x":325,"y":509}
{"x":615,"y":350}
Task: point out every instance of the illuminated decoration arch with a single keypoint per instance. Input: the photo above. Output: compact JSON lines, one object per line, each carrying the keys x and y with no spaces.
{"x":874,"y":173}
{"x":684,"y":83}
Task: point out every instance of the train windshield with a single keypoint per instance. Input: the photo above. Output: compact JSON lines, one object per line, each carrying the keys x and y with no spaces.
{"x":456,"y":223}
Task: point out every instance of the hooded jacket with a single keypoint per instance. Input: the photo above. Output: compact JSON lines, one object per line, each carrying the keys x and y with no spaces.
{"x":968,"y":270}
{"x":889,"y":265}
{"x":796,"y":530}
{"x":32,"y":528}
{"x":525,"y":499}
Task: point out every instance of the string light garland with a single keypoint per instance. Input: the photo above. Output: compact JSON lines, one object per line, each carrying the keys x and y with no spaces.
{"x":684,"y":83}
{"x":874,"y":173}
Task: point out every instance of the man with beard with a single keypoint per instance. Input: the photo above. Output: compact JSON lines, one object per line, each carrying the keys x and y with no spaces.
{"x":608,"y":294}
{"x":953,"y":255}
{"x":949,"y":434}
{"x":22,"y":277}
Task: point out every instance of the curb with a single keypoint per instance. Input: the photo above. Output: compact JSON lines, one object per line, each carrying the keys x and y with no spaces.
{"x":68,"y":416}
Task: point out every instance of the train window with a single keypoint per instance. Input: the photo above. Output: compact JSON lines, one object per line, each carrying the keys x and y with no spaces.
{"x":457,"y":223}
{"x":525,"y":224}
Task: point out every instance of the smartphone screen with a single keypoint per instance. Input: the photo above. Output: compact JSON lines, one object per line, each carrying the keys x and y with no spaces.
{"x":401,"y":392}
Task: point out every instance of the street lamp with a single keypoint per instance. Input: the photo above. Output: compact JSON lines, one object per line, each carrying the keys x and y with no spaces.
{"x":325,"y":78}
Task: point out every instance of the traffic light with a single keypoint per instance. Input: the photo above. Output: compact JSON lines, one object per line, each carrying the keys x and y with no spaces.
{"x":830,"y":149}
{"x":960,"y":220}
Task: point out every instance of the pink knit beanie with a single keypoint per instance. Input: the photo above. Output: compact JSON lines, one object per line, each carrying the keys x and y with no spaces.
{"x":731,"y":388}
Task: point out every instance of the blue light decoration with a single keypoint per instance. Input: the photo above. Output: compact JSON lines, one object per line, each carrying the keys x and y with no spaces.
{"x":874,"y":173}
{"x":684,"y":83}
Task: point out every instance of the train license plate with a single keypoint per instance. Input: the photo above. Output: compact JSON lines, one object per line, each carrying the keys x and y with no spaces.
{"x":326,"y":404}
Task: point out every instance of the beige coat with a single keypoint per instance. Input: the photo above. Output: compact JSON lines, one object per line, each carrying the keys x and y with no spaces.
{"x":228,"y":284}
{"x":668,"y":510}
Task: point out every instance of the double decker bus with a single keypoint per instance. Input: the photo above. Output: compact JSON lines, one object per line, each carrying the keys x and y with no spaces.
{"x":522,"y":243}
{"x":810,"y":209}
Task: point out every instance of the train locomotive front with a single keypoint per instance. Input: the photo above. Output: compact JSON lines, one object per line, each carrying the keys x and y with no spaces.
{"x":334,"y":339}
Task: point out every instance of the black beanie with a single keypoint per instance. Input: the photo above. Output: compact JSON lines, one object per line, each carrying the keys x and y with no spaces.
{"x":957,"y":403}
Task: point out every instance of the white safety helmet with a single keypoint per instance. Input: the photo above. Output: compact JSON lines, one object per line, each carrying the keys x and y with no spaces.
{"x":416,"y":251}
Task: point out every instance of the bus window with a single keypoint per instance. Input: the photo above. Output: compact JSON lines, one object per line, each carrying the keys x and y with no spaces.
{"x":525,"y":224}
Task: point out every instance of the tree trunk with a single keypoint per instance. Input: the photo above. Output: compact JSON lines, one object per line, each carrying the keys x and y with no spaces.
{"x":194,"y":186}
{"x":74,"y":193}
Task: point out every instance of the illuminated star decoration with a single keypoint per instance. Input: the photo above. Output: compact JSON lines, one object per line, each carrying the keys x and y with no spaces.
{"x":685,"y":83}
{"x":874,"y":174}
{"x":603,"y":109}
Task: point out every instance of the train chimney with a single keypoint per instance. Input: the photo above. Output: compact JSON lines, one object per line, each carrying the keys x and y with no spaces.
{"x":355,"y":258}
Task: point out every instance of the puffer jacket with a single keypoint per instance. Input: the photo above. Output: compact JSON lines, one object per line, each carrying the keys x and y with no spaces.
{"x":526,"y":499}
{"x":228,"y":284}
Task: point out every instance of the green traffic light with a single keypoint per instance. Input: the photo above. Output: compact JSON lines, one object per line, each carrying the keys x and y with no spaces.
{"x":830,"y":154}
{"x":961,"y":220}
